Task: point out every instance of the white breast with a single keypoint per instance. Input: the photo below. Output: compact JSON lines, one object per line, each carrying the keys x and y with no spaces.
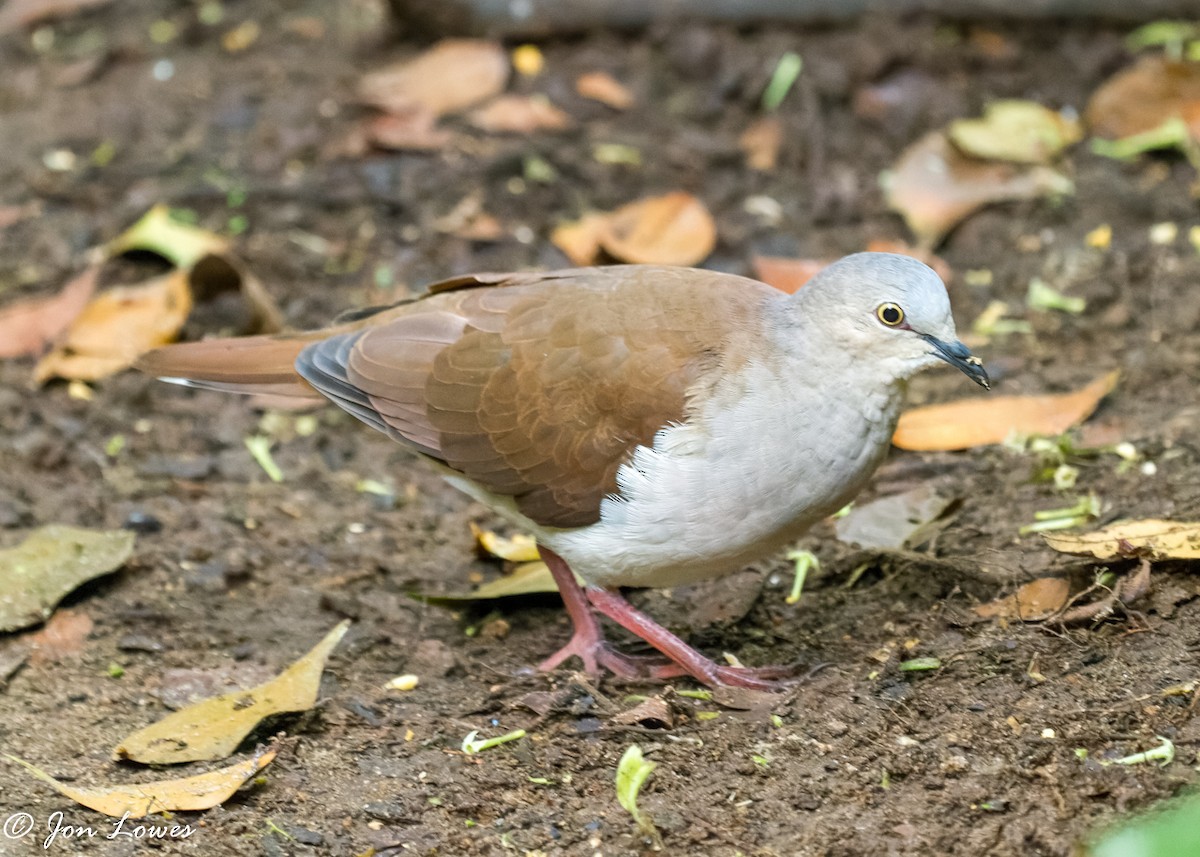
{"x":746,"y":475}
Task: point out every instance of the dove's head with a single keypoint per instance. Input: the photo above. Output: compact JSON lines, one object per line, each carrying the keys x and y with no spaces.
{"x":886,"y":310}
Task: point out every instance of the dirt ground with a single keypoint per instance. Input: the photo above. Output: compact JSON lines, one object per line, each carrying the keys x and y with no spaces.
{"x":234,"y":576}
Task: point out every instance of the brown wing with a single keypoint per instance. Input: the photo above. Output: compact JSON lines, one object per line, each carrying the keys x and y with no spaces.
{"x":540,"y":390}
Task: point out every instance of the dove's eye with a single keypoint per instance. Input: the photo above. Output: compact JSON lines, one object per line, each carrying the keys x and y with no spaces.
{"x":890,"y":314}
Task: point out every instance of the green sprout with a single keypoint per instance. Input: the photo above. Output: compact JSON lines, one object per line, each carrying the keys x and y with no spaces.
{"x":1042,"y":296}
{"x":1164,"y":754}
{"x":920,"y":665}
{"x":1049,"y":520}
{"x":472,"y":745}
{"x":806,"y":561}
{"x":632,"y":772}
{"x":782,"y":79}
{"x":260,"y":449}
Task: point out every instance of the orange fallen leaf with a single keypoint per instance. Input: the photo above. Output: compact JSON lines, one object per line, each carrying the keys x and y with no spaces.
{"x":1140,"y":98}
{"x":983,"y":420}
{"x":519,"y":114}
{"x":63,"y":636}
{"x":787,"y":275}
{"x":117,"y":327}
{"x":580,"y":239}
{"x":673,"y":229}
{"x":186,"y":794}
{"x":934,"y":186}
{"x":1034,"y":600}
{"x":28,"y":326}
{"x":1149,"y":537}
{"x":760,"y":143}
{"x":603,"y":87}
{"x":449,"y":77}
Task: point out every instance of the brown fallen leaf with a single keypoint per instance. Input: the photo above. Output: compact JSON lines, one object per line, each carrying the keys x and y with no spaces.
{"x":673,"y":229}
{"x":17,"y":14}
{"x":186,"y":794}
{"x":449,"y":77}
{"x":760,"y":143}
{"x":580,"y":239}
{"x":415,"y":131}
{"x":63,"y":636}
{"x":984,"y":420}
{"x":1032,"y":601}
{"x":117,"y":327}
{"x":787,"y":275}
{"x":213,"y":728}
{"x":50,"y":563}
{"x":519,"y":548}
{"x":603,"y":87}
{"x":1150,"y":537}
{"x":29,"y":326}
{"x":519,"y":114}
{"x":897,"y":521}
{"x":934,"y":186}
{"x":1140,"y":98}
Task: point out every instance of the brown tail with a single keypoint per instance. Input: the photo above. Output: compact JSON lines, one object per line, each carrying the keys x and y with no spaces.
{"x":261,"y":365}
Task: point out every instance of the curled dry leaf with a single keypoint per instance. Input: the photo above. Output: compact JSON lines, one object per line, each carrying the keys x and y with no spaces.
{"x":29,"y":326}
{"x":1142,"y":97}
{"x":934,"y":186}
{"x":52,"y":562}
{"x":449,"y":77}
{"x":787,"y":275}
{"x":673,"y":229}
{"x":156,"y":231}
{"x":519,"y":548}
{"x":519,"y":114}
{"x":186,"y":794}
{"x":580,"y":239}
{"x":760,"y":143}
{"x":1032,"y":601}
{"x":984,"y":420}
{"x":213,"y":728}
{"x":117,"y":327}
{"x":603,"y":87}
{"x":1023,"y":132}
{"x":1157,"y":539}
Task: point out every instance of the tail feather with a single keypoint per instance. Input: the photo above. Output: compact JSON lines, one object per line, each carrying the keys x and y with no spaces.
{"x":260,"y":365}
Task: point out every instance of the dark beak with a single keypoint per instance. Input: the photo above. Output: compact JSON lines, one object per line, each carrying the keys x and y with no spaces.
{"x":958,"y":356}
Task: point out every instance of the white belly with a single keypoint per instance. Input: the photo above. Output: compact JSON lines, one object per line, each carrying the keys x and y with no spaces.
{"x":732,"y":485}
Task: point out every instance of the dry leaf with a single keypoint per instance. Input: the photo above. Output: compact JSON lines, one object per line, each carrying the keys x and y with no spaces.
{"x":983,"y":420}
{"x":934,"y":186}
{"x":214,"y":728}
{"x":187,"y":794}
{"x":519,"y":114}
{"x":787,"y":275}
{"x":52,"y":562}
{"x":529,"y":578}
{"x":1157,"y":539}
{"x":895,"y":522}
{"x":674,"y":229}
{"x":1023,"y":132}
{"x":181,"y":244}
{"x":449,"y":77}
{"x":760,"y":143}
{"x":580,"y":239}
{"x":1034,"y":600}
{"x":601,"y":86}
{"x":520,"y":548}
{"x":29,"y":326}
{"x":1139,"y":99}
{"x":63,"y":636}
{"x":415,"y":131}
{"x":16,"y":14}
{"x":117,"y":327}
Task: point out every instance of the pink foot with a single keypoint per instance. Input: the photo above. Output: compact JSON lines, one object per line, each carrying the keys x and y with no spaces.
{"x":588,"y":643}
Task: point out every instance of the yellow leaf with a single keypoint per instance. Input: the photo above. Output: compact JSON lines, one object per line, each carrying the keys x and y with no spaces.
{"x":157,"y":232}
{"x":1159,"y":539}
{"x":213,"y":728}
{"x":530,"y":578}
{"x":1023,"y":132}
{"x":983,"y":420}
{"x":519,"y":548}
{"x":187,"y":794}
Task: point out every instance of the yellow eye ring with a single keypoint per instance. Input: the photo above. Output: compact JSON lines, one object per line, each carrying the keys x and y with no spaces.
{"x":890,"y":314}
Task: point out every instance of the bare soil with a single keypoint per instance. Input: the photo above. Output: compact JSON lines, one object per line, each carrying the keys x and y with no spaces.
{"x":234,"y":576}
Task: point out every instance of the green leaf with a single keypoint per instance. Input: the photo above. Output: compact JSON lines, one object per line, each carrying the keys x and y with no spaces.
{"x":632,"y":772}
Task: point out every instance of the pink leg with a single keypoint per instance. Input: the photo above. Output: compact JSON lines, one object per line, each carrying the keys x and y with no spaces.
{"x":589,"y":645}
